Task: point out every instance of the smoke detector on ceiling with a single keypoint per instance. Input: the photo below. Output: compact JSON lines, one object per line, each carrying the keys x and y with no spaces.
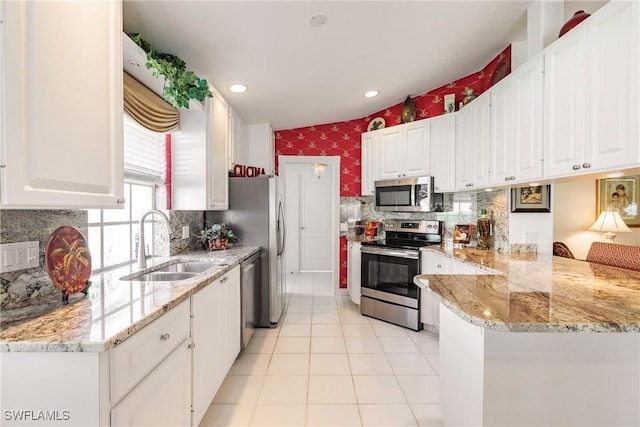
{"x":318,"y":20}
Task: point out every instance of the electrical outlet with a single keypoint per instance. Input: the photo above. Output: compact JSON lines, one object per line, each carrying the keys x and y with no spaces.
{"x":530,"y":237}
{"x":185,"y":231}
{"x":18,"y":256}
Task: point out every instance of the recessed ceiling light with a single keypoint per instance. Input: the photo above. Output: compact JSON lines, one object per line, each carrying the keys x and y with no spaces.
{"x":318,"y":20}
{"x":488,"y":189}
{"x":238,"y":88}
{"x":371,"y":94}
{"x":534,"y":184}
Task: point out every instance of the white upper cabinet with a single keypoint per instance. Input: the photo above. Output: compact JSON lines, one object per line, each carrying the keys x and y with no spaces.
{"x":612,"y":80}
{"x":199,"y":158}
{"x":443,"y":152}
{"x":369,"y":163}
{"x":62,"y":145}
{"x":238,"y":140}
{"x":472,"y":144}
{"x":217,"y":142}
{"x":404,"y":150}
{"x":515,"y":153}
{"x":591,"y":94}
{"x":390,"y":153}
{"x":261,"y":152}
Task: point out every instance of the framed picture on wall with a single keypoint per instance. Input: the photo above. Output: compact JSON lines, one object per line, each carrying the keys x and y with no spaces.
{"x":531,"y":199}
{"x":621,"y":194}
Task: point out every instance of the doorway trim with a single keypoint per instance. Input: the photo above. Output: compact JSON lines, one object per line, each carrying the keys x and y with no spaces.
{"x":334,"y":162}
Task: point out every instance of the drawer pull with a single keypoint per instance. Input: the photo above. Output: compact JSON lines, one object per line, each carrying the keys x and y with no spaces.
{"x":576,"y":167}
{"x":586,"y":165}
{"x":224,"y":279}
{"x":165,"y":337}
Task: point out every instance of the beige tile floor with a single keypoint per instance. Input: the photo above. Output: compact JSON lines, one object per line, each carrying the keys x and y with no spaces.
{"x":327,"y":365}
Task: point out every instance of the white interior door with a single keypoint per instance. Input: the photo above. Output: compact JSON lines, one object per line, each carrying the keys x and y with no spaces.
{"x":314,"y":221}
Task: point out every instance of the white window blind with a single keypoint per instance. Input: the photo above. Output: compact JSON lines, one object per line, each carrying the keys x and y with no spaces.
{"x":143,"y":151}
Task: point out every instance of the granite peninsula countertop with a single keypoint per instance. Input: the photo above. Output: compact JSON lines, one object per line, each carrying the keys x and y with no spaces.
{"x":114,"y":309}
{"x":538,"y":293}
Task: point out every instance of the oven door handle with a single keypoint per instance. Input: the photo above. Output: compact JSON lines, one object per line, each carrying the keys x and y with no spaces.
{"x":390,"y":252}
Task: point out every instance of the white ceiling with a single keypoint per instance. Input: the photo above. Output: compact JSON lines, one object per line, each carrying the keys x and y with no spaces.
{"x":299,"y":75}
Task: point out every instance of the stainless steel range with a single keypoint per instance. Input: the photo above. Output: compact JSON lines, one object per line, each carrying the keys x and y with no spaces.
{"x":388,"y":267}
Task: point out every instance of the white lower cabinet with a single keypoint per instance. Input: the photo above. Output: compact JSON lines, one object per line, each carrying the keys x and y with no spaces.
{"x":163,"y":398}
{"x":150,"y":373}
{"x":353,"y":271}
{"x":434,"y":263}
{"x":215,"y":312}
{"x":166,"y":374}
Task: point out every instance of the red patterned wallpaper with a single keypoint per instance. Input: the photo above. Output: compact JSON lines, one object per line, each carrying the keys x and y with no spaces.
{"x":343,"y":138}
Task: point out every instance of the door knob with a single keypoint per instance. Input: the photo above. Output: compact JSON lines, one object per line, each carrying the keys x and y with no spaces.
{"x":303,"y":228}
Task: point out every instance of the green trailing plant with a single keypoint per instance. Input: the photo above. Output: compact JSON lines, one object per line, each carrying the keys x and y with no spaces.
{"x":180,"y":84}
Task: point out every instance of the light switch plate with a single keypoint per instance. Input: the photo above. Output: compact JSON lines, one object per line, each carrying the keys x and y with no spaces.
{"x":18,"y":256}
{"x":185,"y":231}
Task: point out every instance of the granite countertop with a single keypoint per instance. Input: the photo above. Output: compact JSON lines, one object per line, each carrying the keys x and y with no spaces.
{"x":114,"y":309}
{"x":538,"y":293}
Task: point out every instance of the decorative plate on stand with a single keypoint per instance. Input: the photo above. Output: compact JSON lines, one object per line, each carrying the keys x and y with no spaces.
{"x":501,"y":71}
{"x":68,"y":261}
{"x":375,"y":124}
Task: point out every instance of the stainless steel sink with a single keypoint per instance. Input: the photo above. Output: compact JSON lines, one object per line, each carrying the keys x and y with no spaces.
{"x":190,"y":266}
{"x":178,"y":271}
{"x":163,"y":276}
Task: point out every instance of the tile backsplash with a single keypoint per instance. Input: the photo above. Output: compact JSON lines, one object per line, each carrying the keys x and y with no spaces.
{"x":464,"y":209}
{"x":32,"y":286}
{"x":24,"y":287}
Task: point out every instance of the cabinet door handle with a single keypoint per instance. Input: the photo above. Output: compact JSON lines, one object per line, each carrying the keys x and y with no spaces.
{"x":576,"y":167}
{"x":586,"y":165}
{"x":224,"y":279}
{"x":165,"y":337}
{"x":439,"y":266}
{"x":120,"y":201}
{"x":506,"y":178}
{"x":191,"y":346}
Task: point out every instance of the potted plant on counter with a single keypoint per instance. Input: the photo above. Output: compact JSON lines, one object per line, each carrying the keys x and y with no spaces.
{"x":217,"y":236}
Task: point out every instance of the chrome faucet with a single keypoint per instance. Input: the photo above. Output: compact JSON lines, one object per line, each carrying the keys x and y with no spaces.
{"x":142,"y":256}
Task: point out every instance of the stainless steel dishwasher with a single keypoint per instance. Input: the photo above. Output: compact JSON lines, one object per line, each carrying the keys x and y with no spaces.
{"x":250,"y":295}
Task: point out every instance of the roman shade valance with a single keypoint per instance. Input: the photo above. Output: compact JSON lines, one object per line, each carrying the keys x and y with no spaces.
{"x":147,"y":108}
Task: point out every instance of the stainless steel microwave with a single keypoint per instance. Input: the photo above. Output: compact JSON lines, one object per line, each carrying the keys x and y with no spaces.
{"x":407,"y":195}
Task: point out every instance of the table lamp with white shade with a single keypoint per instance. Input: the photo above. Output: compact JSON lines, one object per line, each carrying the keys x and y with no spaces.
{"x":610,"y":222}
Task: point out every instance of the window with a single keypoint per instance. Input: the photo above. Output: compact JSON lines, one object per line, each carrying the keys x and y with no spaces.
{"x":114,"y":233}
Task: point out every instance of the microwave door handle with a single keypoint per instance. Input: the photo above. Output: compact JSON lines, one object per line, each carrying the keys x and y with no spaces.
{"x":414,"y":194}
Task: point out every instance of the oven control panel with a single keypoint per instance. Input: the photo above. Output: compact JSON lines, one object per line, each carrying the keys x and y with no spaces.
{"x":413,"y":226}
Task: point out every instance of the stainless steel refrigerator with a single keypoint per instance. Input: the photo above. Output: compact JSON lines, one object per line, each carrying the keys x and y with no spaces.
{"x":256,"y":215}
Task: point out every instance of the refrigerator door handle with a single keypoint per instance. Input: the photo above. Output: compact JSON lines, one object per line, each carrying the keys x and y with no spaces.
{"x":282,"y":230}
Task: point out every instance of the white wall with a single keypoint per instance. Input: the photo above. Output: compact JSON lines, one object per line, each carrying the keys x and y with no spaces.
{"x":540,"y":223}
{"x":575,"y":212}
